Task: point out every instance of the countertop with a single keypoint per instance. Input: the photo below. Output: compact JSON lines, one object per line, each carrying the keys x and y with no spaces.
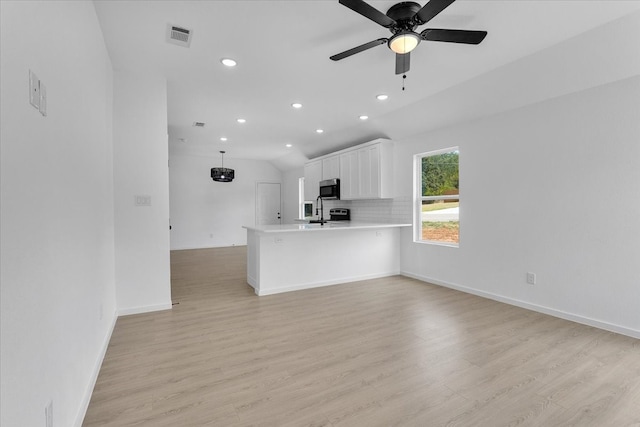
{"x":330,"y":226}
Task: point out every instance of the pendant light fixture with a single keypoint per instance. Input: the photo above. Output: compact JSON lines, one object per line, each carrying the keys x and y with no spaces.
{"x":222,"y":174}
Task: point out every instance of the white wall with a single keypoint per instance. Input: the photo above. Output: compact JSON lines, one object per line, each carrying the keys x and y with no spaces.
{"x":57,"y":257}
{"x":141,"y":168}
{"x":551,"y":189}
{"x":290,"y":190}
{"x":207,"y":214}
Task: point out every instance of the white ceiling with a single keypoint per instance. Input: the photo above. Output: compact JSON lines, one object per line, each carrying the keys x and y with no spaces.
{"x":283,"y":48}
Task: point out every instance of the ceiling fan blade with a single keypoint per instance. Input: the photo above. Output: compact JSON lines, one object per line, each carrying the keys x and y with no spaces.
{"x":358,"y":49}
{"x":431,"y":9}
{"x":403,"y":61}
{"x":368,"y":11}
{"x":453,"y":36}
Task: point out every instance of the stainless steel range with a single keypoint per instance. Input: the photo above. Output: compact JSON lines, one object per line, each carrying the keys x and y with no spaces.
{"x":339,"y":214}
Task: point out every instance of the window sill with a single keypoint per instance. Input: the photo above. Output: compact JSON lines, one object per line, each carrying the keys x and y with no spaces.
{"x":437,"y":243}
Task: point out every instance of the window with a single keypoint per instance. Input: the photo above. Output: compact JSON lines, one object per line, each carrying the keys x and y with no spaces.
{"x":437,"y":201}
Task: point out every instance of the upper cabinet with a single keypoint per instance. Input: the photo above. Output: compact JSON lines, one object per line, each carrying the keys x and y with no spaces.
{"x":349,"y":176}
{"x":331,"y":167}
{"x":370,"y":172}
{"x":312,"y":178}
{"x":365,"y":171}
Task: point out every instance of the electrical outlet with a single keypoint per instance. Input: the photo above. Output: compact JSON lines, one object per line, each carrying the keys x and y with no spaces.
{"x":531,"y":278}
{"x":48,"y":414}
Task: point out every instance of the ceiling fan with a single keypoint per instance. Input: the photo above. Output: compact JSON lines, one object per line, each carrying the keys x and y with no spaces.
{"x":402,"y":19}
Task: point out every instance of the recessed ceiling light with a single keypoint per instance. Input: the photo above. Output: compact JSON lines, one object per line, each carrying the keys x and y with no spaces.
{"x":319,"y":131}
{"x":288,"y":145}
{"x":382,"y":97}
{"x":241,"y":121}
{"x":228,"y":62}
{"x":296,"y":105}
{"x":223,"y":138}
{"x":363,"y":117}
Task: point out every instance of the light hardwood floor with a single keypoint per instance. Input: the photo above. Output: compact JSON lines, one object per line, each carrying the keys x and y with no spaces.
{"x":384,"y":352}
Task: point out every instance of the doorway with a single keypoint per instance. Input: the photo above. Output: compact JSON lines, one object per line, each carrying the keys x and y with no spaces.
{"x":268,"y":203}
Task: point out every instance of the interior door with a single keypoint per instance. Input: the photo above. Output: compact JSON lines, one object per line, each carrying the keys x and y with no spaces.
{"x":268,"y":203}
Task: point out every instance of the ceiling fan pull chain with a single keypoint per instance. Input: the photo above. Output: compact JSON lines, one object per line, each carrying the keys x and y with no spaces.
{"x":403,"y":77}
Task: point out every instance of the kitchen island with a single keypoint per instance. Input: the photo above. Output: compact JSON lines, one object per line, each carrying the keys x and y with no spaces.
{"x":289,"y":257}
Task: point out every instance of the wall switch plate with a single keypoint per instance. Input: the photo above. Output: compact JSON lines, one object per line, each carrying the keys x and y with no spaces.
{"x":43,"y":99}
{"x":531,"y":278}
{"x":34,"y":90}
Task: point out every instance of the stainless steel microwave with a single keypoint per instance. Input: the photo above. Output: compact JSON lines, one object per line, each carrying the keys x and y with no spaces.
{"x":330,"y":189}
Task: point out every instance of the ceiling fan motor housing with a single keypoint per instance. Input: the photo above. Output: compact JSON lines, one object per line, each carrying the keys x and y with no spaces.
{"x":404,"y":14}
{"x":404,"y":39}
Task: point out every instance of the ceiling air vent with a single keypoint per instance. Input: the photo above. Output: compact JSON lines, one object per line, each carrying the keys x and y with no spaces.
{"x":198,"y":124}
{"x":178,"y":35}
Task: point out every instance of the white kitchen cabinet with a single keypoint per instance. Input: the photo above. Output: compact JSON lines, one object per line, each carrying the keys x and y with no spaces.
{"x":367,"y":172}
{"x":312,"y":178}
{"x":367,"y":169}
{"x":331,"y":167}
{"x":349,"y":179}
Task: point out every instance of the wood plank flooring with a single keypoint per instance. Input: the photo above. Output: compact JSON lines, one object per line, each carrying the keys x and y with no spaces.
{"x":383,"y":352}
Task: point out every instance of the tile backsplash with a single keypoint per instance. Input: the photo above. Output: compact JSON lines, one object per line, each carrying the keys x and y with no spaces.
{"x":398,"y":210}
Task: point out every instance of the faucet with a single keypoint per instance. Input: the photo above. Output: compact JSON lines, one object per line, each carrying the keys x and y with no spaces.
{"x":322,"y":221}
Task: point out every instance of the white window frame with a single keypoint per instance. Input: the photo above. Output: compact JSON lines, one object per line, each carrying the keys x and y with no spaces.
{"x":301,"y":198}
{"x":418,"y":198}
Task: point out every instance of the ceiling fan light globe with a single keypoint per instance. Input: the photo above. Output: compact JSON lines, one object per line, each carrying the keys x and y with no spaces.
{"x":404,"y":42}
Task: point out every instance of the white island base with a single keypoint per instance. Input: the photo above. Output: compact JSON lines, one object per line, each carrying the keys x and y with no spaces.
{"x":283,"y":258}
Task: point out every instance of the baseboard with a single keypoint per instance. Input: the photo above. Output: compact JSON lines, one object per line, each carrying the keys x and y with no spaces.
{"x":533,"y":307}
{"x":252,"y":281}
{"x":144,"y":309}
{"x":189,"y":248}
{"x":84,"y":405}
{"x":344,"y":280}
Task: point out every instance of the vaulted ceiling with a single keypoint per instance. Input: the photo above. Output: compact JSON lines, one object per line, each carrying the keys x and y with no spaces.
{"x":282,"y":49}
